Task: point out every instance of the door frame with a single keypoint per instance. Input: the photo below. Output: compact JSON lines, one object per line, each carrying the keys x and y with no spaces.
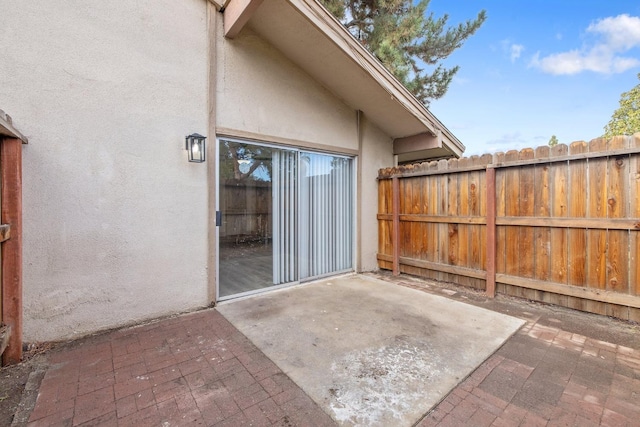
{"x":298,"y":150}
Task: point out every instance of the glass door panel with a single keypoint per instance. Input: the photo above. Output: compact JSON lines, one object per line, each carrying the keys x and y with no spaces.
{"x":326,"y":214}
{"x":245,"y":203}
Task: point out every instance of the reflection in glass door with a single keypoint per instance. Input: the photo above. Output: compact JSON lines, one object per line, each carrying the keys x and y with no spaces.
{"x":245,"y":203}
{"x":286,"y":215}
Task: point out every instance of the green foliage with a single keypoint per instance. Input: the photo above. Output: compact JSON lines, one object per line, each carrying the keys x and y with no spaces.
{"x":553,"y":141}
{"x":626,"y":119}
{"x":245,"y":162}
{"x":404,"y":36}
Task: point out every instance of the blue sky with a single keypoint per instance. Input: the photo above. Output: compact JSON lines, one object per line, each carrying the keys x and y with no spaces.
{"x":538,"y":68}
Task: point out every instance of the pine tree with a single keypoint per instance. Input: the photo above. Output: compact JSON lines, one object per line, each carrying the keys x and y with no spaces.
{"x":405,"y":37}
{"x":626,"y":119}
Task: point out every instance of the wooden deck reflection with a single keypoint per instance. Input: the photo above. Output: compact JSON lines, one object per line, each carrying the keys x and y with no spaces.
{"x":245,"y":266}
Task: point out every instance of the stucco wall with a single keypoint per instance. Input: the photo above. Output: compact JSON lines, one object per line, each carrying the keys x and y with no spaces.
{"x":261,"y":91}
{"x":114,"y":216}
{"x":377,"y":152}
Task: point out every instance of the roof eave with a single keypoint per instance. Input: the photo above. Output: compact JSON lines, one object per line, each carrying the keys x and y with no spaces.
{"x":330,"y":25}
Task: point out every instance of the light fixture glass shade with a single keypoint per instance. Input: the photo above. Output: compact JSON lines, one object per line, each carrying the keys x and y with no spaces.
{"x":195,"y":146}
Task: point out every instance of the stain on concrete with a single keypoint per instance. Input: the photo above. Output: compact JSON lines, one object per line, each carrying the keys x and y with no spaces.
{"x":365,"y":382}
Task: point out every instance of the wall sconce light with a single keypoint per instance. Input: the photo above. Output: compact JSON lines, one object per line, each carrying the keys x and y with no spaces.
{"x":195,"y":146}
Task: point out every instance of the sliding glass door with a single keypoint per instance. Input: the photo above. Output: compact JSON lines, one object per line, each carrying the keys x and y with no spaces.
{"x":285,"y":215}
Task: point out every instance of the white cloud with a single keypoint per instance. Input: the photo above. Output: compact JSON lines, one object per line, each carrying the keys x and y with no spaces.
{"x":621,"y":32}
{"x":616,"y":35}
{"x":514,"y":50}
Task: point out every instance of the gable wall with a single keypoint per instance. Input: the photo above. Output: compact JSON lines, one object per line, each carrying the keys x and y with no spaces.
{"x":114,"y":215}
{"x":260,"y":91}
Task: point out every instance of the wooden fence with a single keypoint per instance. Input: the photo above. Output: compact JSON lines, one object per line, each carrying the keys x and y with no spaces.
{"x":11,"y":141}
{"x":556,"y":224}
{"x":246,"y":207}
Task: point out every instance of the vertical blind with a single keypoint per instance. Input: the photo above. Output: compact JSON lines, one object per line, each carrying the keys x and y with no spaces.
{"x":312,"y":215}
{"x":325,"y":214}
{"x":285,"y":195}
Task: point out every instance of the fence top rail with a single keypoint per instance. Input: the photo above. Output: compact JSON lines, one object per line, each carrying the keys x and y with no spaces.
{"x":8,"y":130}
{"x":579,"y":150}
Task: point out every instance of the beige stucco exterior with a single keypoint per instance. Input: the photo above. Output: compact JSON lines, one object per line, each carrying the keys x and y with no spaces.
{"x":375,"y":153}
{"x":262,"y":92}
{"x":118,"y":226}
{"x":114,"y":216}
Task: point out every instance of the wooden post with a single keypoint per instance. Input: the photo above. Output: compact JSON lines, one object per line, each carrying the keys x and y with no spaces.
{"x":11,"y":209}
{"x":491,"y":232}
{"x":396,"y":224}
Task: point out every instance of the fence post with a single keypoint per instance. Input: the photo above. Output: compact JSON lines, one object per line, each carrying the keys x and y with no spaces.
{"x":491,"y":232}
{"x":11,"y":165}
{"x":395,"y":233}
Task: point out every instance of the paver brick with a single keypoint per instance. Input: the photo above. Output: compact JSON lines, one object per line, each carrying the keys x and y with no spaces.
{"x":481,"y":418}
{"x":61,"y":418}
{"x":169,"y":389}
{"x":271,"y":410}
{"x":198,"y":369}
{"x":145,"y":416}
{"x":95,"y":383}
{"x":144,"y":398}
{"x":109,"y":419}
{"x":623,"y":407}
{"x":533,"y":420}
{"x":45,"y":409}
{"x":506,"y":422}
{"x":131,"y":386}
{"x":250,"y":395}
{"x":126,"y":406}
{"x":614,"y":419}
{"x":94,"y":404}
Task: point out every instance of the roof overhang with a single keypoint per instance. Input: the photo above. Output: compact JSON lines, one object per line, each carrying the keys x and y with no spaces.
{"x":305,"y":32}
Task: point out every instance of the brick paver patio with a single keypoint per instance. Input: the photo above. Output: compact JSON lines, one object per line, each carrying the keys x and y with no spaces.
{"x":197,"y":369}
{"x":545,"y":376}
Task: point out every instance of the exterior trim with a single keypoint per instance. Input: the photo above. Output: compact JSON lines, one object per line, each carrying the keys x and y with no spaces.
{"x":212,"y":177}
{"x":268,"y":139}
{"x":237,"y":14}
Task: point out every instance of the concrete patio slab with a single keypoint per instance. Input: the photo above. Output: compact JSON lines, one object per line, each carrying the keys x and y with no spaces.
{"x":367,"y":351}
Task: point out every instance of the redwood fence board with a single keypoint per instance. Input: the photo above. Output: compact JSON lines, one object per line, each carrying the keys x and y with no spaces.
{"x":556,"y":224}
